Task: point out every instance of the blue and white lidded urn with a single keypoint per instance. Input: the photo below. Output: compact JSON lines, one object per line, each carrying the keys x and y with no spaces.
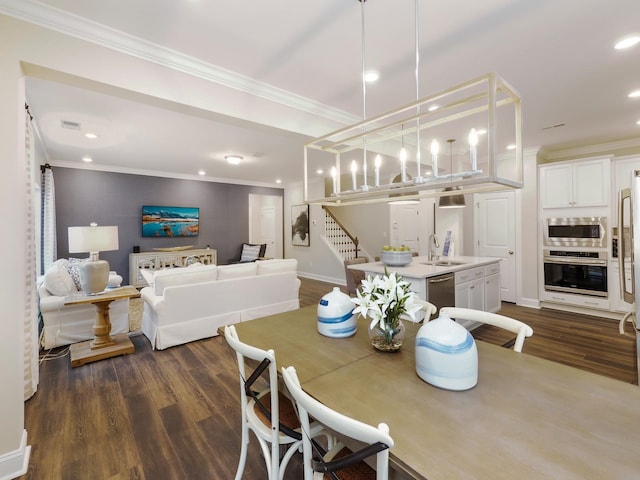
{"x":446,"y":355}
{"x":335,"y":315}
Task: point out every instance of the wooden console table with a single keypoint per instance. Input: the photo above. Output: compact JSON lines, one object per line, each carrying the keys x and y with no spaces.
{"x":157,"y":260}
{"x":103,"y":345}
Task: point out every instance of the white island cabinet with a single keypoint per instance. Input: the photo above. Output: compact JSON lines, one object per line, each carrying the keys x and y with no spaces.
{"x":477,"y":279}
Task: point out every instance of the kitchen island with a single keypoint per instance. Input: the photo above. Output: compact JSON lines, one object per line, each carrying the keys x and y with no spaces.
{"x":474,"y":282}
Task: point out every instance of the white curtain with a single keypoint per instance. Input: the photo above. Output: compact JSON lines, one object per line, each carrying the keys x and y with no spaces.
{"x":49,"y":246}
{"x":31,"y":307}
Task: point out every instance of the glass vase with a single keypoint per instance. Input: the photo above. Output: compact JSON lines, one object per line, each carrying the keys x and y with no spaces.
{"x":387,"y":339}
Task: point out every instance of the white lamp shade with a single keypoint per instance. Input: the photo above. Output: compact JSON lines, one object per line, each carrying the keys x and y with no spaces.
{"x":93,"y":239}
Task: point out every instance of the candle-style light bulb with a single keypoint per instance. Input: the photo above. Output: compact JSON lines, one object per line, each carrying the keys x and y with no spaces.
{"x":377,"y":163}
{"x":403,"y":164}
{"x":473,"y":150}
{"x":354,"y":170}
{"x":435,"y":149}
{"x":334,"y":175}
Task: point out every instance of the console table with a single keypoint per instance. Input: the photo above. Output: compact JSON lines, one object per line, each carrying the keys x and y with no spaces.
{"x":103,"y":345}
{"x":158,"y":260}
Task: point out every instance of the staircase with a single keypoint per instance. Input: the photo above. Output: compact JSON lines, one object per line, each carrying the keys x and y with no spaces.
{"x":345,"y":245}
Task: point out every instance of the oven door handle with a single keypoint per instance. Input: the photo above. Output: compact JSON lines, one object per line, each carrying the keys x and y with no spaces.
{"x":573,"y":261}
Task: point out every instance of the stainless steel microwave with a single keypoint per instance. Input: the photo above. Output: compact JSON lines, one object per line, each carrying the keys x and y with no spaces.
{"x":576,"y":232}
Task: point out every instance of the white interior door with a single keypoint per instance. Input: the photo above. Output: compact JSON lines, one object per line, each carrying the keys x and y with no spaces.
{"x":405,"y":225}
{"x":266,"y":223}
{"x":496,"y":236}
{"x":268,"y":229}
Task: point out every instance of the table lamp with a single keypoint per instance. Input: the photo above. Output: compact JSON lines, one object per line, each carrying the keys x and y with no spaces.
{"x":94,"y":273}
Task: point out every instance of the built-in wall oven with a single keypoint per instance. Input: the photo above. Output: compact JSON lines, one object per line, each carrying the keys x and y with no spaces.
{"x":583,"y":273}
{"x":586,"y":232}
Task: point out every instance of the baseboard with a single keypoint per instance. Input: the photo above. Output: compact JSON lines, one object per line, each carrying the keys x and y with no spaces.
{"x":529,"y":302}
{"x":16,"y":463}
{"x":322,"y":278}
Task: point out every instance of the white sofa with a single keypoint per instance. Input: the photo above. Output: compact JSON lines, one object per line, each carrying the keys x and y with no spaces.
{"x":186,"y":304}
{"x":63,"y":325}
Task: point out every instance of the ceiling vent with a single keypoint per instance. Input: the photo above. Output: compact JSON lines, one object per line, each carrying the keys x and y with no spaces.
{"x":70,"y":125}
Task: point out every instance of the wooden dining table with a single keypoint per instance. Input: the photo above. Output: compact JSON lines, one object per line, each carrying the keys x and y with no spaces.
{"x":527,"y":418}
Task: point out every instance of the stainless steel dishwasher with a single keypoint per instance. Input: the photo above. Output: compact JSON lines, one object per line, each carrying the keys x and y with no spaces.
{"x":441,"y":291}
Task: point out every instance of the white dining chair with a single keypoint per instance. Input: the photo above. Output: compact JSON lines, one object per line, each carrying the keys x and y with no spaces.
{"x":521,"y":329}
{"x":269,"y":414}
{"x":428,"y":309}
{"x":338,"y":462}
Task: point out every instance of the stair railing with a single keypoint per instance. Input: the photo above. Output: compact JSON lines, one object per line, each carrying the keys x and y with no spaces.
{"x":337,"y":235}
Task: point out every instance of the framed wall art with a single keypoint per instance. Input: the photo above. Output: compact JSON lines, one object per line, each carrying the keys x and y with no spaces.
{"x":159,"y":221}
{"x":300,"y":225}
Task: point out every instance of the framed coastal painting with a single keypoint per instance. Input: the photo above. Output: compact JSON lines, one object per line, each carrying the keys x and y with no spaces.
{"x":300,"y":225}
{"x":161,"y":221}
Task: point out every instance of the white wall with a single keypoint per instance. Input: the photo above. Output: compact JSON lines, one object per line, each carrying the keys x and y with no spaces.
{"x":12,"y":311}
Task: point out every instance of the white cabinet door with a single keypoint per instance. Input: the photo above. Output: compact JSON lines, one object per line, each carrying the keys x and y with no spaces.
{"x":492,"y":293}
{"x":555,"y":182}
{"x":471,"y":295}
{"x":591,"y":184}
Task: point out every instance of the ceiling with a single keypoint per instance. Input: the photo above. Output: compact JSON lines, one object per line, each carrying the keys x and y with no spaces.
{"x":558,"y":54}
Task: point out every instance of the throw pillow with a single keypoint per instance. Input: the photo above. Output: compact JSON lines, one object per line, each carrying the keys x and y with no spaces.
{"x":249,"y":252}
{"x":58,"y":281}
{"x":73,"y":267}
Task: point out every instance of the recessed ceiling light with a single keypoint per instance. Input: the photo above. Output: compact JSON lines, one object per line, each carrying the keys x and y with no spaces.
{"x":90,"y":135}
{"x":627,"y":42}
{"x":371,"y":76}
{"x":278,"y":180}
{"x":433,"y":108}
{"x":233,"y":159}
{"x":511,"y":147}
{"x":319,"y":171}
{"x":638,"y":122}
{"x":634,"y":94}
{"x":201,"y":172}
{"x":87,"y":159}
{"x":481,"y":131}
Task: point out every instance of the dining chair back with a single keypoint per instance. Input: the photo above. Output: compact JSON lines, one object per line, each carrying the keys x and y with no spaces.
{"x":521,"y":329}
{"x":269,"y":414}
{"x":354,"y":277}
{"x":338,"y":462}
{"x":428,"y":308}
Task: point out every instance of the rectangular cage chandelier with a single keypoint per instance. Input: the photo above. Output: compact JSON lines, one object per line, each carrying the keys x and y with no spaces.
{"x":464,"y":139}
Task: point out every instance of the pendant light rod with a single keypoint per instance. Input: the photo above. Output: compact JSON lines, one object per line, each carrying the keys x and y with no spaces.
{"x":418,"y":178}
{"x":364,"y":99}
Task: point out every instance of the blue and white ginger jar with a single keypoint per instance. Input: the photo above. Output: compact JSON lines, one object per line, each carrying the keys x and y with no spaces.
{"x":335,"y":315}
{"x":446,"y":355}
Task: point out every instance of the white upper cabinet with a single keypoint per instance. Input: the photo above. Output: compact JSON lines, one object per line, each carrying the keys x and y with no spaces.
{"x":582,"y":183}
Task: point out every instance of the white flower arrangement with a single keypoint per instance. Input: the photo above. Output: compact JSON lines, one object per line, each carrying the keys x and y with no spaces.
{"x":383,"y":299}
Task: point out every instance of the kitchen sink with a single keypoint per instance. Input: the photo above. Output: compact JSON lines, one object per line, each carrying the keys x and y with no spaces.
{"x":444,"y":263}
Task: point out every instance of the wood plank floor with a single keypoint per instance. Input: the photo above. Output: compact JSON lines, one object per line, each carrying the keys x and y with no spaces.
{"x":173,"y":414}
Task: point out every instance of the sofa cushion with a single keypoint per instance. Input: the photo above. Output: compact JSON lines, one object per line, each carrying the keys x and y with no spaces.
{"x":277,"y":265}
{"x":57,"y":280}
{"x":183,"y":276}
{"x":250,"y":252}
{"x":237,"y":270}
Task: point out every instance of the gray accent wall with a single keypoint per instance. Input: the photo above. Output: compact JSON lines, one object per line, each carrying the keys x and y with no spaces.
{"x":107,"y":198}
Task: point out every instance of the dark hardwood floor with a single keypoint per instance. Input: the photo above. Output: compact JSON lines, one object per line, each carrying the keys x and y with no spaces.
{"x":174,"y":414}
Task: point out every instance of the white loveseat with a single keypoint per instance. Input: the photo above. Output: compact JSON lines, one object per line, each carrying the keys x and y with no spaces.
{"x":186,"y":304}
{"x":63,"y":325}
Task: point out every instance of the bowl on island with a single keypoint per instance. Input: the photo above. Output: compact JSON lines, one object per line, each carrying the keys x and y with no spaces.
{"x":396,"y":258}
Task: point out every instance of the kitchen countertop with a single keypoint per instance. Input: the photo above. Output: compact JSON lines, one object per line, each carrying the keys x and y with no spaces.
{"x":418,"y":269}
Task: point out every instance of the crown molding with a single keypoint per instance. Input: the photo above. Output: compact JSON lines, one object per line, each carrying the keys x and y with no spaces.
{"x":589,"y":150}
{"x":155,"y":173}
{"x":79,"y":27}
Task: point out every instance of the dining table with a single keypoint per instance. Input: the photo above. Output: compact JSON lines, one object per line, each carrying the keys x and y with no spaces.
{"x":527,"y":417}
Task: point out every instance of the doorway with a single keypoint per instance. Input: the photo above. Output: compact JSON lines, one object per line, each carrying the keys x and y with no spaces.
{"x":266,"y":223}
{"x":495,"y":234}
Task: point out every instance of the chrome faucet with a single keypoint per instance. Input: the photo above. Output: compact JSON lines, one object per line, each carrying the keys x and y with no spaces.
{"x":433,"y":244}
